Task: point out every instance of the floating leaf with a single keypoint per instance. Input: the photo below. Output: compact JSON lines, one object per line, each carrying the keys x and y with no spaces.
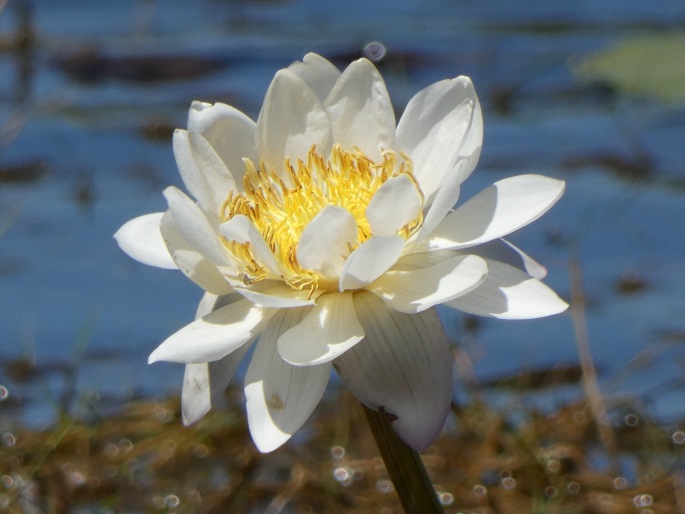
{"x":653,"y":66}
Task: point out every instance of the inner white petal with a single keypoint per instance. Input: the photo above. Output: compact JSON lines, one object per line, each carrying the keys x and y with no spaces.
{"x":395,"y":204}
{"x":325,"y":241}
{"x":370,"y":261}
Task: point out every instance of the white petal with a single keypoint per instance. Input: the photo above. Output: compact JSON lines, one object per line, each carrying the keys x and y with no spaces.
{"x":434,"y":127}
{"x":325,"y":241}
{"x":191,"y":262}
{"x":329,"y":329}
{"x":215,"y":335}
{"x":496,"y":211}
{"x":204,"y":383}
{"x":318,"y":73}
{"x":292,"y":120}
{"x":272,"y":293}
{"x":360,"y":110}
{"x":415,"y":291}
{"x":403,"y":366}
{"x":194,"y":227}
{"x":280,"y":397}
{"x":368,"y":262}
{"x":444,"y":200}
{"x":509,"y":293}
{"x":142,"y":240}
{"x":395,"y":204}
{"x":230,"y":132}
{"x":240,"y":229}
{"x":503,"y":251}
{"x":203,"y":172}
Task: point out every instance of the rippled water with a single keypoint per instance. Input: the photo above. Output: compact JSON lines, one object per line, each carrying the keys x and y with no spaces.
{"x":85,"y":120}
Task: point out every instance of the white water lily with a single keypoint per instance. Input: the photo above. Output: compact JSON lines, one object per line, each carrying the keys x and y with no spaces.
{"x":324,"y":232}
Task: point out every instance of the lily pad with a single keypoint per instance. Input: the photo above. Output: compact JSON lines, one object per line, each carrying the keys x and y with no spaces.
{"x":652,"y":66}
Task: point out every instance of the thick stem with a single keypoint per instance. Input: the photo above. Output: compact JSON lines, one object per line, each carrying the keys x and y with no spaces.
{"x":404,"y":466}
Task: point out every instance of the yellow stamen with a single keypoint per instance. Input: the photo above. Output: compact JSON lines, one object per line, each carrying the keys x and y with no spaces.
{"x":282,"y":205}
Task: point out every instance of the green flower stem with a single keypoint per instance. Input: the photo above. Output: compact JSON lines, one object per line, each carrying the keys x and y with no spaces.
{"x":404,"y":466}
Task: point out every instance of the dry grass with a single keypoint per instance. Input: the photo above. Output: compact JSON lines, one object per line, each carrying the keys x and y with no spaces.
{"x":142,"y":460}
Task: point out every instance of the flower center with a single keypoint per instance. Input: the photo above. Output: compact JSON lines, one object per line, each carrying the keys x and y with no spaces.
{"x":282,"y":205}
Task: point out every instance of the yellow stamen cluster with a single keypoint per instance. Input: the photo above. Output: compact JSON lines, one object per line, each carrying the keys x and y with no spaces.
{"x":281,"y":205}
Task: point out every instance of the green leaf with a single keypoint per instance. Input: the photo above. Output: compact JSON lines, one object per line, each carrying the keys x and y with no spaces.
{"x":652,"y":66}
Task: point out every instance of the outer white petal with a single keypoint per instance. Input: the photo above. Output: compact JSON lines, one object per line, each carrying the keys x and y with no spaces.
{"x":230,"y":132}
{"x":191,"y":262}
{"x":496,"y":211}
{"x":403,"y":366}
{"x":240,"y":229}
{"x":215,"y":335}
{"x":203,"y":172}
{"x":443,"y":202}
{"x":280,"y":397}
{"x":329,"y":329}
{"x":434,"y":127}
{"x":194,"y":226}
{"x":396,"y":203}
{"x":291,"y":121}
{"x":510,"y":293}
{"x":325,"y":241}
{"x":360,"y":110}
{"x":204,"y":383}
{"x":368,"y":262}
{"x":318,"y":73}
{"x":273,"y":293}
{"x":503,"y":251}
{"x":142,"y":240}
{"x":461,"y":162}
{"x":416,"y":291}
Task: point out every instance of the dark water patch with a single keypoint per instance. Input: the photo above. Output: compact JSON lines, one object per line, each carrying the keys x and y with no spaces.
{"x":537,"y":379}
{"x":23,"y":172}
{"x":631,"y":282}
{"x":628,"y":167}
{"x":91,"y":65}
{"x":158,"y":129}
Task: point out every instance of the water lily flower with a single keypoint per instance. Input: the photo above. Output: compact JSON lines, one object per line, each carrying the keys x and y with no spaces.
{"x":324,"y":235}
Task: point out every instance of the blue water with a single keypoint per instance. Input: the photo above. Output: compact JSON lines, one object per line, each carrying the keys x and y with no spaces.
{"x":61,"y":273}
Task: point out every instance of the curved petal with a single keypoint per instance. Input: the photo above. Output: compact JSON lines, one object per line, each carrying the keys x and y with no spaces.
{"x":191,"y":262}
{"x":318,"y":73}
{"x":230,"y":132}
{"x":403,"y":366}
{"x":394,"y":205}
{"x":510,"y":293}
{"x":241,"y":230}
{"x":203,"y":172}
{"x":360,"y":110}
{"x":434,"y":127}
{"x":329,"y":329}
{"x":280,"y":397}
{"x":142,"y":240}
{"x":325,"y":241}
{"x":416,"y":291}
{"x":291,"y":121}
{"x":204,"y":384}
{"x":194,"y":227}
{"x":496,"y":211}
{"x":368,"y":262}
{"x":503,"y":251}
{"x":272,"y":293}
{"x":215,"y":335}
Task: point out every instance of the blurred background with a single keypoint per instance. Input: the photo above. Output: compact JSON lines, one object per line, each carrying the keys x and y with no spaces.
{"x":592,"y":92}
